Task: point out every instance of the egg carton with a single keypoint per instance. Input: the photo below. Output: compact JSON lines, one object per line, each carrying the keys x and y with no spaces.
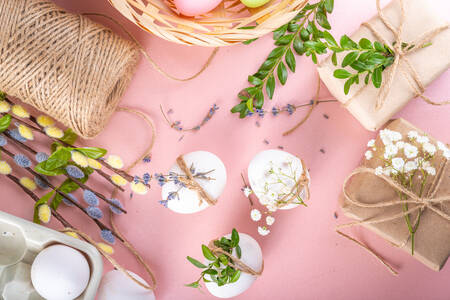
{"x":20,"y":242}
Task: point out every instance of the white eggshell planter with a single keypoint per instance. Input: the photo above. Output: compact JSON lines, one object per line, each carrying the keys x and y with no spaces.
{"x":20,"y":243}
{"x":189,"y":201}
{"x":258,"y":168}
{"x":252,"y":257}
{"x":115,"y":285}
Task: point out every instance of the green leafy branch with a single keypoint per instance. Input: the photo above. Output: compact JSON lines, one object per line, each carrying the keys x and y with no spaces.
{"x":219,"y":269}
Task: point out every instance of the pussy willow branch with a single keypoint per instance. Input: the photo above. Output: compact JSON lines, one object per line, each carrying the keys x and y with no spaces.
{"x":34,"y":173}
{"x":79,"y":183}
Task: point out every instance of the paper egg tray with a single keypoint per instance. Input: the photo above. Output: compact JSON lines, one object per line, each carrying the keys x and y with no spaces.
{"x":20,"y":242}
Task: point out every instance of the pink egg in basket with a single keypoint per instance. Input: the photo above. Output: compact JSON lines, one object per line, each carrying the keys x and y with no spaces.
{"x":195,"y":7}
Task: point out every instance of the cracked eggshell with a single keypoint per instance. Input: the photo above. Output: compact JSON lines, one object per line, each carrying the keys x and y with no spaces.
{"x":115,"y":285}
{"x":251,"y":256}
{"x":259,"y":164}
{"x":189,"y":201}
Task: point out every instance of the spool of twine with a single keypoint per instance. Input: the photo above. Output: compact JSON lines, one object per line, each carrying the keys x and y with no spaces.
{"x":63,"y":64}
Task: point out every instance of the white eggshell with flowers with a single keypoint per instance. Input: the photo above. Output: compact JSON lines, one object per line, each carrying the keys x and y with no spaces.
{"x":189,"y":201}
{"x":252,"y":257}
{"x":261,"y":163}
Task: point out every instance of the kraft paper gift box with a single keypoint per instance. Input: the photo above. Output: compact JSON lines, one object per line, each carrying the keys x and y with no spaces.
{"x":432,"y":239}
{"x":429,"y":62}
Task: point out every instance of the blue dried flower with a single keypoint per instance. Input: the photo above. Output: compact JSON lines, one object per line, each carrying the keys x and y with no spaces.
{"x":68,"y":202}
{"x":160,"y":178}
{"x":90,"y":198}
{"x":290,"y":109}
{"x":196,"y":127}
{"x":146,"y":177}
{"x":107,"y":236}
{"x":16,"y":135}
{"x":3,"y":141}
{"x":147,"y":159}
{"x":136,"y":179}
{"x":164,"y":203}
{"x":249,"y":113}
{"x":260,"y":112}
{"x":41,"y":183}
{"x":275,"y":111}
{"x":41,"y":156}
{"x":22,"y":161}
{"x":115,"y":209}
{"x":94,"y":212}
{"x":74,"y":172}
{"x":172,"y":195}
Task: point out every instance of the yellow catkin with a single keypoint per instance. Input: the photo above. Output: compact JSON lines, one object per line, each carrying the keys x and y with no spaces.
{"x":106,"y":248}
{"x":72,"y":234}
{"x":20,"y":111}
{"x":115,"y":161}
{"x":26,"y":132}
{"x":28,"y":183}
{"x":5,"y":168}
{"x":4,"y":106}
{"x":94,"y":164}
{"x":80,"y":159}
{"x":54,"y":132}
{"x":45,"y":121}
{"x":139,"y":188}
{"x":44,"y":213}
{"x":118,"y":180}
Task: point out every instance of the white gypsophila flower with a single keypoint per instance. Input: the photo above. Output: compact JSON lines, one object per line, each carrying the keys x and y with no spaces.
{"x":270,"y":220}
{"x":410,"y":150}
{"x":424,"y":163}
{"x":413,"y":135}
{"x":398,"y":163}
{"x":400,"y":144}
{"x":368,"y":155}
{"x":272,"y":207}
{"x":247,"y":191}
{"x":388,"y":171}
{"x":390,"y":150}
{"x":385,"y":137}
{"x":395,"y":136}
{"x":371,"y":143}
{"x":422,"y":139}
{"x":446,"y":154}
{"x":378,"y":170}
{"x":410,"y":166}
{"x":430,"y":148}
{"x":430,"y":170}
{"x":441,"y":146}
{"x":263,"y":230}
{"x":255,"y":215}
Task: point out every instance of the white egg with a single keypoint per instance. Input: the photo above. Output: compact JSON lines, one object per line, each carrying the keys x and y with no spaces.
{"x":189,"y":201}
{"x":252,"y":257}
{"x":115,"y":285}
{"x":258,"y":173}
{"x":60,"y":273}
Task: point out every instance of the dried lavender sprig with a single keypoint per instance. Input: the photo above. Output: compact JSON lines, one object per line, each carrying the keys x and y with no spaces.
{"x":177,"y":124}
{"x":289,"y":108}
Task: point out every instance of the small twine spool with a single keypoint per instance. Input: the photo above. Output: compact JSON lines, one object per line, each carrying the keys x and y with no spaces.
{"x":63,"y":64}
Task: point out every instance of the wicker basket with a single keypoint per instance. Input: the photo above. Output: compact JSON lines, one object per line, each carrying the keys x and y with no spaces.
{"x":221,"y":27}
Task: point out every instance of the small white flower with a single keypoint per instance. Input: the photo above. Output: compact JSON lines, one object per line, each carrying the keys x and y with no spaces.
{"x":413,"y":134}
{"x":385,"y":136}
{"x":410,"y":166}
{"x":368,"y":155}
{"x":430,"y":170}
{"x":446,"y":154}
{"x":425,"y":164}
{"x":390,"y":150}
{"x":371,"y":143}
{"x":247,"y":191}
{"x":398,"y":163}
{"x":272,"y":207}
{"x":410,"y":150}
{"x":422,"y":139}
{"x":395,"y":136}
{"x":378,"y":171}
{"x":389,"y":171}
{"x":442,"y":146}
{"x":270,"y":220}
{"x":255,"y":215}
{"x":263,"y":230}
{"x":430,"y":148}
{"x":400,"y":144}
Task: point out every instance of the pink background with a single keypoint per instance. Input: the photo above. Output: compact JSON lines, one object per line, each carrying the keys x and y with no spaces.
{"x":304,"y":257}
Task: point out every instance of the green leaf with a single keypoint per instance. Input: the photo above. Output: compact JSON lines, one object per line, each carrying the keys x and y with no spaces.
{"x":314,"y":58}
{"x":92,"y":152}
{"x":304,"y":34}
{"x":330,"y":39}
{"x":70,"y":137}
{"x":366,"y":79}
{"x":276,"y":53}
{"x":239,"y":107}
{"x":341,"y":73}
{"x":254,"y":80}
{"x":267,"y":65}
{"x":290,"y":60}
{"x":365,"y":43}
{"x":298,"y":46}
{"x":284,"y":40}
{"x":223,"y":259}
{"x":250,"y":104}
{"x":210,"y":272}
{"x":248,"y":42}
{"x":196,"y":263}
{"x":236,"y":276}
{"x":329,"y":5}
{"x":319,"y":47}
{"x":270,"y":86}
{"x":379,"y":47}
{"x":234,"y":238}
{"x":349,"y":58}
{"x":193,"y":285}
{"x":40,"y":168}
{"x":5,"y":121}
{"x":43,"y":200}
{"x":377,"y":77}
{"x":280,"y":32}
{"x":359,"y":66}
{"x":293,"y":27}
{"x":347,"y":42}
{"x":282,"y":73}
{"x":68,"y":186}
{"x":58,"y":159}
{"x":376,"y":59}
{"x":238,"y":251}
{"x":347,"y":85}
{"x":334,"y":59}
{"x":322,"y":20}
{"x":208,"y":254}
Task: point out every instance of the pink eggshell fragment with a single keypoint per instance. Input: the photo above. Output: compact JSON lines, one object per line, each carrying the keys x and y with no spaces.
{"x":195,"y":7}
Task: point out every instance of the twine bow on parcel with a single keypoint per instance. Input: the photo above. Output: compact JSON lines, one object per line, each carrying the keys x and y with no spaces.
{"x":430,"y":201}
{"x":401,"y":51}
